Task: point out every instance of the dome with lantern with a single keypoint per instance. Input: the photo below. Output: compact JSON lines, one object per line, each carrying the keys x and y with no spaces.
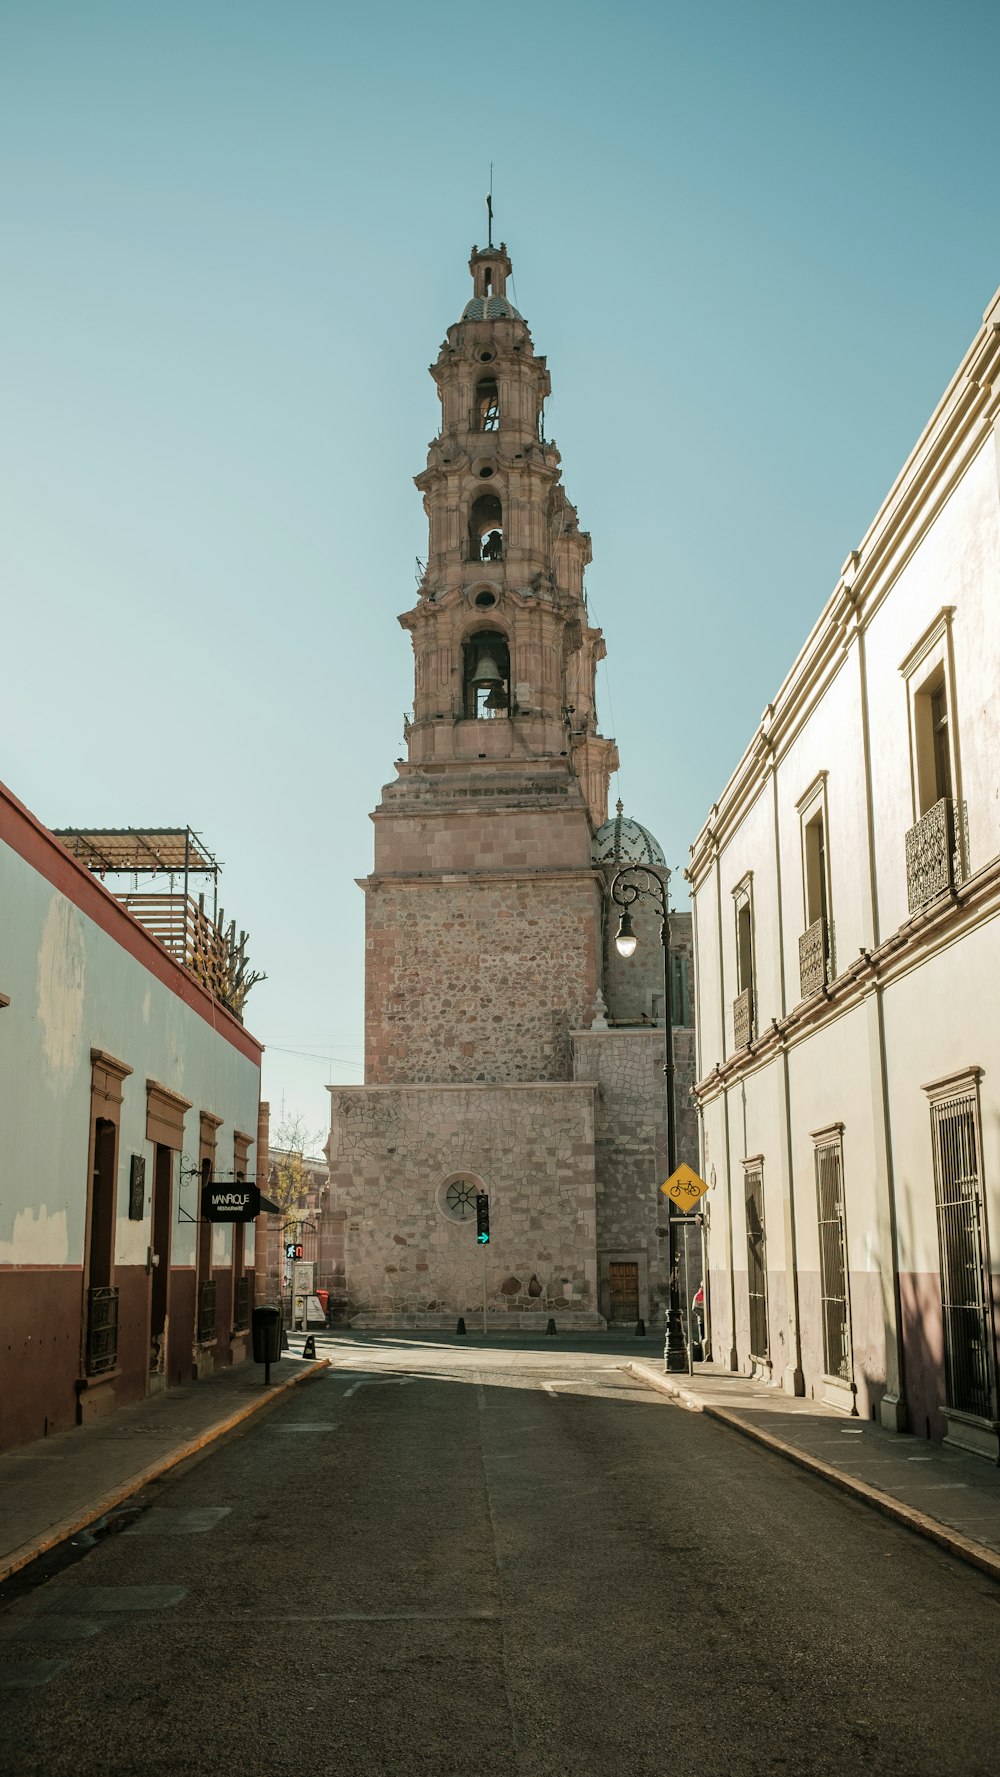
{"x":624,"y":841}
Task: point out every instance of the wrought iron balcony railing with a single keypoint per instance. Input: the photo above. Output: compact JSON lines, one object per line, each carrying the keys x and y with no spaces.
{"x":934,"y":855}
{"x":814,"y":959}
{"x":102,"y":1330}
{"x":743,"y":1018}
{"x":206,"y":1311}
{"x":241,"y":1305}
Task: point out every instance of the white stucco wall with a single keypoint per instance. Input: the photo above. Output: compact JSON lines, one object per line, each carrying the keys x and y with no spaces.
{"x":73,"y":988}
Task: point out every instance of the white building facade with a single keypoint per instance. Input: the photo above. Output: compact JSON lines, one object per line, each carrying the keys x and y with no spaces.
{"x":846,"y":888}
{"x":124,"y":1086}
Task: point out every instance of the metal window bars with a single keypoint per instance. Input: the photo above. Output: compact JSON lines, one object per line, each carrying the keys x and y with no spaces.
{"x":968,"y":1345}
{"x":241,"y":1305}
{"x":206,"y":1311}
{"x":102,"y":1330}
{"x":756,"y":1262}
{"x":743,"y":1030}
{"x":834,"y":1295}
{"x":937,"y":852}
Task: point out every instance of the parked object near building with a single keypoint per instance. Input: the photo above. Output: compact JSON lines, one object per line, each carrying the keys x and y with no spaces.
{"x":846,"y":892}
{"x":129,"y":1088}
{"x":504,"y":1054}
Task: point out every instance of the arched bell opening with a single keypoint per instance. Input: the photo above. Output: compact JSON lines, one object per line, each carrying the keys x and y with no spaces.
{"x":486,"y":529}
{"x":487,"y":405}
{"x":486,"y":674}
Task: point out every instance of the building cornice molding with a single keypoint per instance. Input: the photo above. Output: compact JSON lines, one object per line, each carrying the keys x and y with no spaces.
{"x":932,"y":929}
{"x":961,"y":425}
{"x":590,"y":1086}
{"x":476,"y":878}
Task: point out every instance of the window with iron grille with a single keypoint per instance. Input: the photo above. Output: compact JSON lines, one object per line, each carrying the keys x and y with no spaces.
{"x":968,"y":1346}
{"x":833,"y":1273}
{"x":206,"y":1311}
{"x":753,"y":1181}
{"x":241,"y":1305}
{"x":102,"y":1330}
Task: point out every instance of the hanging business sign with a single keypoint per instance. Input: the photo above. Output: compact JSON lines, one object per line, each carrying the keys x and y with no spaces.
{"x":233,"y":1202}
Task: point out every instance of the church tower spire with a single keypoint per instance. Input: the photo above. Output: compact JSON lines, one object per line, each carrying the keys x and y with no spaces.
{"x":503,"y":586}
{"x":506,"y":775}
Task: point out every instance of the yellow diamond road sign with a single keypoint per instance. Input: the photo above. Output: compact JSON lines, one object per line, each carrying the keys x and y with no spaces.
{"x":684,"y":1187}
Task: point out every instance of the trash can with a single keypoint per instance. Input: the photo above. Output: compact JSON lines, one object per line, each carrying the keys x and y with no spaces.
{"x":266,"y":1331}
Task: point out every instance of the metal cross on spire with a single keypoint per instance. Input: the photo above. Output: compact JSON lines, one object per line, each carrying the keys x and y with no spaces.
{"x":489,"y":210}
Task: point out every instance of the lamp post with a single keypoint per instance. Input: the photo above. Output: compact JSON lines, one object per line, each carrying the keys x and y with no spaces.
{"x":629,"y":885}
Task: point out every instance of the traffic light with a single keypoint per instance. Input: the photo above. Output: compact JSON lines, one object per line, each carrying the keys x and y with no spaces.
{"x":482,"y":1218}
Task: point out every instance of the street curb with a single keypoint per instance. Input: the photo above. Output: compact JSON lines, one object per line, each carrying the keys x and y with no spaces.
{"x":58,"y":1533}
{"x":976,"y":1554}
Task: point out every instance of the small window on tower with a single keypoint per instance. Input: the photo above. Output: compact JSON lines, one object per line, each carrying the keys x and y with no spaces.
{"x":487,"y":405}
{"x":486,"y":529}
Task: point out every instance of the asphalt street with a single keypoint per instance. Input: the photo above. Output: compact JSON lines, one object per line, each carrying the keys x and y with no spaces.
{"x":454,"y":1560}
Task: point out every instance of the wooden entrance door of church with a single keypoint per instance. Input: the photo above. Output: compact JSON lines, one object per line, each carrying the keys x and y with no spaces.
{"x":624,"y":1282}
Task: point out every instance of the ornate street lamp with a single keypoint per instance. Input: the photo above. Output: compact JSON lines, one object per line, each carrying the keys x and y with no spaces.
{"x":631,"y":884}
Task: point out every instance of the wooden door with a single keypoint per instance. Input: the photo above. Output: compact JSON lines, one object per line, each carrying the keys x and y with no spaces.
{"x":624,"y":1284}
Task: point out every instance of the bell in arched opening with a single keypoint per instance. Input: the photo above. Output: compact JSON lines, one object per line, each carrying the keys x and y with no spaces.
{"x":487,"y":674}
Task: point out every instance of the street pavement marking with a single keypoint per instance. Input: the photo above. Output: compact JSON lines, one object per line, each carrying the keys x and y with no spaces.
{"x":30,"y":1674}
{"x":35,"y":1628}
{"x":178,"y":1521}
{"x":84,"y":1599}
{"x":937,"y":1486}
{"x":307,"y":1425}
{"x":378,"y":1382}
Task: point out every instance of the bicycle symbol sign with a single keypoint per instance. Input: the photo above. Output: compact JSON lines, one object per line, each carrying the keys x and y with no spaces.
{"x":684,"y":1187}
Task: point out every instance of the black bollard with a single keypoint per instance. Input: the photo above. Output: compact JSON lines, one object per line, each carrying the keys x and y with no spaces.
{"x":309,"y":1348}
{"x":640,"y":1328}
{"x":461,"y":1326}
{"x":550,"y":1331}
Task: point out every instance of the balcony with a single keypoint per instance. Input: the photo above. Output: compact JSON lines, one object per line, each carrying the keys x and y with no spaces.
{"x":814,"y":959}
{"x":102,"y":1331}
{"x":206,"y":1312}
{"x":743,"y":1018}
{"x":934,"y":858}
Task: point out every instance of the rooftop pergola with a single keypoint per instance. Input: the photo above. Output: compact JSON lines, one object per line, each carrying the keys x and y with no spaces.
{"x":143,"y":851}
{"x":196,"y":936}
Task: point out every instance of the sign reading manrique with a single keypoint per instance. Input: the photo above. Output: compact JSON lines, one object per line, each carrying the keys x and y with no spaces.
{"x":239,"y":1202}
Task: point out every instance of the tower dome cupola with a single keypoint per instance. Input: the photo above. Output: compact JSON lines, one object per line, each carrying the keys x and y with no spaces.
{"x":490,"y":267}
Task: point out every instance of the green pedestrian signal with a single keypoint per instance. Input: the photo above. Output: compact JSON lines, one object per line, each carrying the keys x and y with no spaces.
{"x":482,"y":1219}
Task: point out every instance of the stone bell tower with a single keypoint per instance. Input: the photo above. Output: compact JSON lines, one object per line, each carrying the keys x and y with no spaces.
{"x":484,"y":911}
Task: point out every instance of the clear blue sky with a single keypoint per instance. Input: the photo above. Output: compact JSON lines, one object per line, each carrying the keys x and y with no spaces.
{"x":753,"y":239}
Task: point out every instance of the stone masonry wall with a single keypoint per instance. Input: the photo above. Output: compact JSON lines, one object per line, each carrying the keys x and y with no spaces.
{"x":478,"y":980}
{"x":630,"y":1140}
{"x":393,"y":1152}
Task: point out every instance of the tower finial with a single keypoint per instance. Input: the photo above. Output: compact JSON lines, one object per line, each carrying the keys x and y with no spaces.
{"x":489,"y":210}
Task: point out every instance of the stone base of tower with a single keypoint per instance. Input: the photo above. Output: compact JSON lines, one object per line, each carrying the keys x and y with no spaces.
{"x":396,"y":1152}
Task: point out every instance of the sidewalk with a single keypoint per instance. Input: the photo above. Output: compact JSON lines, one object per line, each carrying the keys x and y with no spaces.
{"x":947,"y":1495}
{"x":51,"y":1488}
